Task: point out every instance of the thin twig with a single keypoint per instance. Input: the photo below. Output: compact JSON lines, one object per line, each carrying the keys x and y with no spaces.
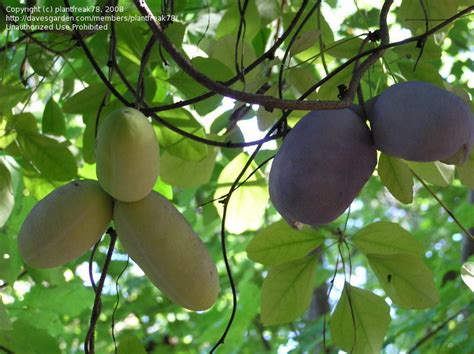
{"x":443,"y":205}
{"x":290,"y":44}
{"x":430,"y":334}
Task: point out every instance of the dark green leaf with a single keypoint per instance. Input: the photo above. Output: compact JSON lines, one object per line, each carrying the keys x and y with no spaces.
{"x":86,"y":101}
{"x":52,"y":159}
{"x":53,"y":119}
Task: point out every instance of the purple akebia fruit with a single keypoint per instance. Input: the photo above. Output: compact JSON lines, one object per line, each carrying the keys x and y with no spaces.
{"x":417,"y":121}
{"x":322,"y":165}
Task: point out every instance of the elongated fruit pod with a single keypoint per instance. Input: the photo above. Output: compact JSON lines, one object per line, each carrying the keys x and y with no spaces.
{"x":65,"y":224}
{"x":163,"y":244}
{"x":127,"y":155}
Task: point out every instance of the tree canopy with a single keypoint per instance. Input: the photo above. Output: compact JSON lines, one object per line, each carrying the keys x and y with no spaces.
{"x":223,"y":82}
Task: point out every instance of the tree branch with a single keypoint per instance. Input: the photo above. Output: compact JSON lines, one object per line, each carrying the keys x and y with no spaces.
{"x":269,"y":54}
{"x":362,"y":68}
{"x":268,"y":102}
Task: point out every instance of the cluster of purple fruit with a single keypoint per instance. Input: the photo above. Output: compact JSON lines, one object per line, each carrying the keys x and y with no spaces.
{"x":327,"y":158}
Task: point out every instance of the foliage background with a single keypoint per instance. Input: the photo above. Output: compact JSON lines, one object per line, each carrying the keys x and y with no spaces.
{"x":50,"y":97}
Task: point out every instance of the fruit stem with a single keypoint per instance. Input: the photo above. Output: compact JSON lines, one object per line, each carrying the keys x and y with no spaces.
{"x":96,"y":309}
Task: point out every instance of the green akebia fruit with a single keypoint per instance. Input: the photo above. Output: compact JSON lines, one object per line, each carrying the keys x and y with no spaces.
{"x":417,"y":121}
{"x":160,"y":240}
{"x":65,"y":224}
{"x":323,"y":163}
{"x":127,"y":155}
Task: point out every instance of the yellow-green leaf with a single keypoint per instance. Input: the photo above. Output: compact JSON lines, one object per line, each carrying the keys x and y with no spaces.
{"x":184,"y":173}
{"x":436,"y":173}
{"x":360,"y":321}
{"x":467,"y":274}
{"x":397,"y":177}
{"x":466,"y":171}
{"x":406,"y":280}
{"x":7,"y":199}
{"x":279,"y":243}
{"x":287,"y":291}
{"x":246,"y":207}
{"x":386,"y":238}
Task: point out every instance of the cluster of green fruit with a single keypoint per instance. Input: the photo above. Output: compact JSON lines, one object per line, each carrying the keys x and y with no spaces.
{"x":327,"y":158}
{"x":71,"y":219}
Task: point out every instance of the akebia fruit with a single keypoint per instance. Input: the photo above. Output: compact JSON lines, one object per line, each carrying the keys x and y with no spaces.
{"x":417,"y":121}
{"x":127,"y":155}
{"x":321,"y":166}
{"x":65,"y":224}
{"x":160,"y":240}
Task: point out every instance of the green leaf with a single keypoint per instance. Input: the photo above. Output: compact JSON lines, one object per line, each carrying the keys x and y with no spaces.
{"x":86,"y":101}
{"x":223,"y":49}
{"x":246,"y":208}
{"x":344,"y":48}
{"x":186,"y":174}
{"x":248,"y":310}
{"x":25,"y":338}
{"x":302,"y":78}
{"x":467,"y":274}
{"x":436,"y":173}
{"x":11,"y":95}
{"x":279,"y":243}
{"x":229,"y":24}
{"x":52,"y":276}
{"x":360,"y":321}
{"x":305,"y":40}
{"x":7,"y":198}
{"x":59,"y":299}
{"x":11,"y":266}
{"x":397,"y":177}
{"x":52,"y":159}
{"x":23,"y":123}
{"x":39,"y":187}
{"x":466,"y":171}
{"x":287,"y":291}
{"x":314,"y":25}
{"x":423,"y":72}
{"x":131,"y":344}
{"x":431,"y":50}
{"x":386,"y":238}
{"x":163,"y":188}
{"x":412,"y":13}
{"x":406,"y":280}
{"x":53,"y":119}
{"x":5,"y":323}
{"x":329,"y":90}
{"x":178,"y":145}
{"x":210,"y":67}
{"x":40,"y":60}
